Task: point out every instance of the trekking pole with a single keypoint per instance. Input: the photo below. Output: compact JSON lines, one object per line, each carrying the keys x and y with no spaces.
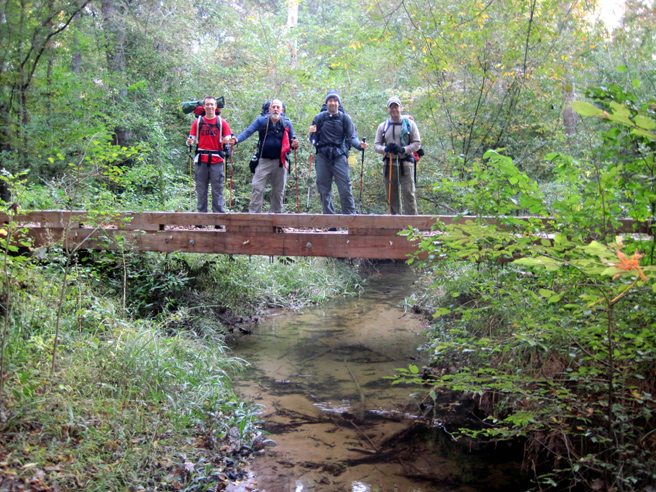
{"x":309,"y":182}
{"x":389,"y":186}
{"x":296,"y":166}
{"x":364,"y":140}
{"x":398,"y":183}
{"x":232,"y":171}
{"x":191,"y":177}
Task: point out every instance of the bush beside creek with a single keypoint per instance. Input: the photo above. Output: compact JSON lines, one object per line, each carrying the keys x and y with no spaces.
{"x":139,"y":395}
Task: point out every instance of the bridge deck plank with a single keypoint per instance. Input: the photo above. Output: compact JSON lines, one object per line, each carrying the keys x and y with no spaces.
{"x":357,"y":236}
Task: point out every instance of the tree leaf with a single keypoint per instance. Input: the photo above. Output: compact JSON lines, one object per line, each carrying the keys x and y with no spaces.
{"x":549,"y":264}
{"x":586,"y":109}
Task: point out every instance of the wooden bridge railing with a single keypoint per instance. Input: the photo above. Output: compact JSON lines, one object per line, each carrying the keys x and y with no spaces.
{"x":354,"y":236}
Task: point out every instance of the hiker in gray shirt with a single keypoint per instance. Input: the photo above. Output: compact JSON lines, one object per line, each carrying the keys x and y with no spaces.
{"x":397,"y":138}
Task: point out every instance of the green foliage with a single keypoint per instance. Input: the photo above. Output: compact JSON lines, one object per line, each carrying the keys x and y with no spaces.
{"x":495,"y":187}
{"x":557,"y":346}
{"x":161,"y":383}
{"x":615,"y":181}
{"x":168,"y":397}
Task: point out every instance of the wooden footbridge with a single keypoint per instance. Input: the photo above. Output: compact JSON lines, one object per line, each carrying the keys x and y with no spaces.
{"x":338,"y":236}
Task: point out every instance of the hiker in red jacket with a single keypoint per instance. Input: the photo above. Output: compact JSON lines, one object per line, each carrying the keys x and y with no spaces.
{"x":209,"y":133}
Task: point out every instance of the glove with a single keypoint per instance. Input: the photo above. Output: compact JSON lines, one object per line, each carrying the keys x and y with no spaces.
{"x":393,"y":148}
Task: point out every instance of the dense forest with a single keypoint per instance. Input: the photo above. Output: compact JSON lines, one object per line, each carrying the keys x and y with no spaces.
{"x":525,"y":108}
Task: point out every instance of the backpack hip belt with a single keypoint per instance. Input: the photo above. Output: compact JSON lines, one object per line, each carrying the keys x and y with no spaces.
{"x":209,"y":154}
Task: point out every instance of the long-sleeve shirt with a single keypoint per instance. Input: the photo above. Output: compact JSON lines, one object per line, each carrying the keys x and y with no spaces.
{"x":270,"y":133}
{"x":391,"y":132}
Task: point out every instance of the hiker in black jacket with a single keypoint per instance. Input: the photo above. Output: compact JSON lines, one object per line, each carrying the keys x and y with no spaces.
{"x":333,"y":133}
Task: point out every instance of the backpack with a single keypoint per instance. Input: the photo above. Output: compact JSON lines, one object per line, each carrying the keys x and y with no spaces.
{"x":405,"y":140}
{"x":314,"y":139}
{"x":405,"y":135}
{"x":198,"y":108}
{"x":227,"y":150}
{"x":405,"y":130}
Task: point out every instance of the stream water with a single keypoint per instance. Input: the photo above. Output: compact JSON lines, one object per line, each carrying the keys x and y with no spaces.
{"x":337,"y":422}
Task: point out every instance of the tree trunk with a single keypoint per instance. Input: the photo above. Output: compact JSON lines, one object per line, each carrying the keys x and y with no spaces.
{"x":115,"y":39}
{"x":569,"y":116}
{"x":292,"y":21}
{"x":51,"y":60}
{"x":76,"y":57}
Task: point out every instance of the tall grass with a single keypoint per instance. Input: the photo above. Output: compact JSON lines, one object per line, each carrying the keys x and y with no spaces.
{"x":137,"y":402}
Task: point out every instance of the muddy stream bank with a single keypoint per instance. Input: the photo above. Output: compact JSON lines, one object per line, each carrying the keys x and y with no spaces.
{"x":337,"y":423}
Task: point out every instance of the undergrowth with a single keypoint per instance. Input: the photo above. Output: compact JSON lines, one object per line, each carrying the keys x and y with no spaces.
{"x":141,"y":394}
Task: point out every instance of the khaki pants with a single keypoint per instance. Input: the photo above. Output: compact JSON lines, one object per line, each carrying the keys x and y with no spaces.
{"x":403,"y":199}
{"x":268,"y":171}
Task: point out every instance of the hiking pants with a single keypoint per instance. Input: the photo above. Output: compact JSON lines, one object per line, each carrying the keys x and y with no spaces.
{"x":405,"y":202}
{"x":205,"y":175}
{"x":268,"y":170}
{"x":334,"y":168}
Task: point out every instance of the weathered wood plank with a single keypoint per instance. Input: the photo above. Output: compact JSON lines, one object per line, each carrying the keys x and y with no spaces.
{"x":328,"y":244}
{"x":357,"y":236}
{"x":164,"y":220}
{"x":153,"y":220}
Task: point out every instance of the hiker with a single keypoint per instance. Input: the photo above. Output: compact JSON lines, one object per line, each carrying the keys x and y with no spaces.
{"x":333,"y":133}
{"x":276,"y":138}
{"x":209,"y":133}
{"x":397,"y":138}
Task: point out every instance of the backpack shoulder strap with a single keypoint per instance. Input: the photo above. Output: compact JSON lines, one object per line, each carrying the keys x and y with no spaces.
{"x":198,"y":125}
{"x":261,"y":132}
{"x":262,"y":135}
{"x":388,"y":122}
{"x":199,"y":122}
{"x":322,"y":117}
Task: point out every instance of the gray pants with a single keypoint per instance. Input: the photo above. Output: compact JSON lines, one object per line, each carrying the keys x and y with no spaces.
{"x":403,"y":199}
{"x":268,"y":170}
{"x":205,"y":175}
{"x":336,"y":168}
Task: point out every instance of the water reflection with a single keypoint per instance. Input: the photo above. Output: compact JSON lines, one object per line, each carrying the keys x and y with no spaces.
{"x":337,"y":422}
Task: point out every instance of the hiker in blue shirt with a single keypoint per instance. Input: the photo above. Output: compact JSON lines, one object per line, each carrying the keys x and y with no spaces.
{"x":397,"y":138}
{"x":333,"y":133}
{"x":276,"y":138}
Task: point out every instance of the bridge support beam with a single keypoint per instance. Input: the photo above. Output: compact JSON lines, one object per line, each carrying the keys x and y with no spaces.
{"x":338,"y":236}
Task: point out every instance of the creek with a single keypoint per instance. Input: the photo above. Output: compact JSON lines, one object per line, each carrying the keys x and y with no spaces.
{"x":334,"y":419}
